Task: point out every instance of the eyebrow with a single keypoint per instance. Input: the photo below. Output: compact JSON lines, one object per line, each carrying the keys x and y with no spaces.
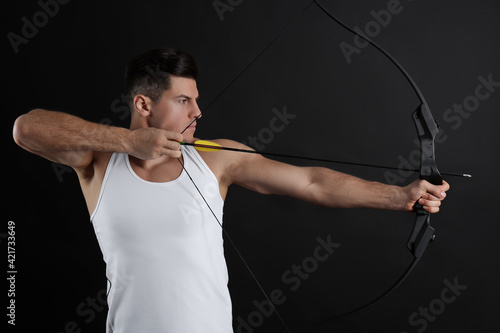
{"x":186,"y":96}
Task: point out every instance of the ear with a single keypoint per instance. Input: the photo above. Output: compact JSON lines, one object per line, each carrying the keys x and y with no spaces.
{"x":143,"y":105}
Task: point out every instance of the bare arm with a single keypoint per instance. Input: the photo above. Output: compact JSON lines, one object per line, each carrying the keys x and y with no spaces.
{"x":329,"y":187}
{"x":73,"y":141}
{"x":326,"y":187}
{"x":65,"y":138}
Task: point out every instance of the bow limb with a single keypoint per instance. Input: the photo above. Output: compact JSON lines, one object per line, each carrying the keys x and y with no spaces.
{"x":427,"y":130}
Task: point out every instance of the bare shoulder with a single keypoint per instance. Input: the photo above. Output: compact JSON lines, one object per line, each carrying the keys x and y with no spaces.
{"x":231,"y":144}
{"x":255,"y":172}
{"x":227,"y":164}
{"x":225,"y":156}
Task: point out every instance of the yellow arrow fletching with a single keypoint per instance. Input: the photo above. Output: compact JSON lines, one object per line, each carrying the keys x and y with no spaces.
{"x":202,"y":145}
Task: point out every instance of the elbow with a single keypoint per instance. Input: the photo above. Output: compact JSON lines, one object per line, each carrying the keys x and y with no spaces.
{"x":23,"y":127}
{"x":19,"y":130}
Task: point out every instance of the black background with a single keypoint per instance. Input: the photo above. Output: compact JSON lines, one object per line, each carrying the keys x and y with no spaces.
{"x":358,"y":111}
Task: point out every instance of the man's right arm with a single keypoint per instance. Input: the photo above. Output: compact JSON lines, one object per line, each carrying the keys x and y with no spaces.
{"x":70,"y":140}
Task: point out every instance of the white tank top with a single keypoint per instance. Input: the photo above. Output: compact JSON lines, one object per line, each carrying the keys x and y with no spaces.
{"x":163,"y":250}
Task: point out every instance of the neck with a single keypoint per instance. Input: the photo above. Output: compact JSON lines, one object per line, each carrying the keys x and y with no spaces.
{"x":137,"y":124}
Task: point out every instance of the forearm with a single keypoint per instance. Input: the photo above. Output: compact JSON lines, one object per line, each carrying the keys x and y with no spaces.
{"x":51,"y":131}
{"x":335,"y":189}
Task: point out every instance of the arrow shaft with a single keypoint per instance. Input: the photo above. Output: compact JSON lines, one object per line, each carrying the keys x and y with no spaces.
{"x":217,"y":147}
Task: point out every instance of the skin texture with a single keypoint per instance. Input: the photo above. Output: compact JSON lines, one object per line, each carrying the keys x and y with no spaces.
{"x":152,"y":142}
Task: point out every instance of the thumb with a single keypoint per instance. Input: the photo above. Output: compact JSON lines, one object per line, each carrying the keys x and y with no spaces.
{"x":174,"y":136}
{"x":437,"y":190}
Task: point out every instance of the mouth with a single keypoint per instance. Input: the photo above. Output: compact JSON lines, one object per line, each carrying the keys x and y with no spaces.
{"x":191,"y":127}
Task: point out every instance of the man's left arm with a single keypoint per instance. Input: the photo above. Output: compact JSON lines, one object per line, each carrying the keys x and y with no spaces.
{"x":334,"y":189}
{"x":326,"y":187}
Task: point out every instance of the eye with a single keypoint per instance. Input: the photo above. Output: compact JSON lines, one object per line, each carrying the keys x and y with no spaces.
{"x":183,"y":101}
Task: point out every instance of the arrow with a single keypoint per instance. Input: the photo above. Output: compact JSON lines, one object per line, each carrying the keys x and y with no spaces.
{"x":202,"y":145}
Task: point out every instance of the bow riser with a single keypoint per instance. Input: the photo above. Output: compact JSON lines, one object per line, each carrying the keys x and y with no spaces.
{"x":427,"y":130}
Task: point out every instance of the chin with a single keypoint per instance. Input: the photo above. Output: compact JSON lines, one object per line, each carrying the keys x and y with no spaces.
{"x":188,"y":137}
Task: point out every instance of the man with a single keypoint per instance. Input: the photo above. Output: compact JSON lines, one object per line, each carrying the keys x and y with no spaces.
{"x":137,"y":183}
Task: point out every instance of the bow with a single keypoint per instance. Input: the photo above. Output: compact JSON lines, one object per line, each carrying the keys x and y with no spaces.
{"x":427,"y":129}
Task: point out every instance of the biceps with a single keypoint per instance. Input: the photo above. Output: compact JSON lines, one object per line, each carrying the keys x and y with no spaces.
{"x":266,"y":176}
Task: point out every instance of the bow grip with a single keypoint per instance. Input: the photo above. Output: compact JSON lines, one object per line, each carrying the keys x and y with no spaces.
{"x":427,"y":130}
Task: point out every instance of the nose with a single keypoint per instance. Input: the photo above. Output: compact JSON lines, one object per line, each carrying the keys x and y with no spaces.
{"x":196,"y":112}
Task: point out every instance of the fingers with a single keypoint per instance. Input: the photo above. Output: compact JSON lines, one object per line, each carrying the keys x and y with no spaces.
{"x":437,"y":192}
{"x":174,"y":136}
{"x":433,"y":196}
{"x":430,"y":203}
{"x":151,"y":143}
{"x":172,"y":147}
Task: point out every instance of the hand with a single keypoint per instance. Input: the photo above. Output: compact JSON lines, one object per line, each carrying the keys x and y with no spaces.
{"x":151,"y":143}
{"x":428,"y":195}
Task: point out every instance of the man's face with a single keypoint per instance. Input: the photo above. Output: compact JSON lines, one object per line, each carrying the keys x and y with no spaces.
{"x":177,"y":108}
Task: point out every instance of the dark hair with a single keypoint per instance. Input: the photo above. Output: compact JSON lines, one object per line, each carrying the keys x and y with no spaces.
{"x":149,"y":73}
